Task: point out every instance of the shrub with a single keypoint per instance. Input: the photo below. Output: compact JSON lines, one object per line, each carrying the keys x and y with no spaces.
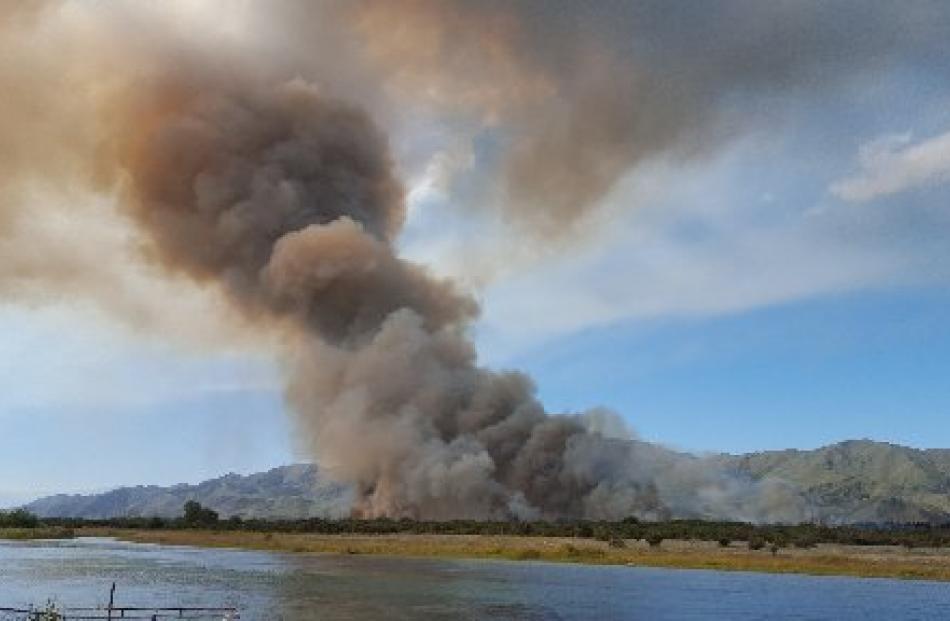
{"x":617,"y":542}
{"x":602,"y":534}
{"x":198,"y":516}
{"x":654,"y":540}
{"x":18,"y":518}
{"x":756,"y":543}
{"x":804,"y":542}
{"x":724,"y":542}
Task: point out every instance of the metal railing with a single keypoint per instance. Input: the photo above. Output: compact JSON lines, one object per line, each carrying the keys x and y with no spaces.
{"x":112,"y":612}
{"x":122,"y":612}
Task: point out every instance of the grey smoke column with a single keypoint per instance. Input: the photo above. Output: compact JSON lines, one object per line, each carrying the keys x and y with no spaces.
{"x":288,"y":200}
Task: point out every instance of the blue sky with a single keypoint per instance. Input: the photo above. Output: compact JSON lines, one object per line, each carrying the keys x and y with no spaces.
{"x":787,"y":289}
{"x":803,"y":374}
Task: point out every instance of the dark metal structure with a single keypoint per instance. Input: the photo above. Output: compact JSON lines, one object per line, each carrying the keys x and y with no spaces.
{"x":112,"y":612}
{"x":122,"y":612}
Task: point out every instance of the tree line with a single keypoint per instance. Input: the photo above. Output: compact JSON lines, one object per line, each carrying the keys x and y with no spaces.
{"x":18,"y":518}
{"x":756,"y":536}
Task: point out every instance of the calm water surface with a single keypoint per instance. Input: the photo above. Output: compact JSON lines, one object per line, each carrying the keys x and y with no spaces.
{"x":297,"y":587}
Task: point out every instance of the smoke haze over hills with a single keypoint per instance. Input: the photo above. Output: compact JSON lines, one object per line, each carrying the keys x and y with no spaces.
{"x":850,"y":482}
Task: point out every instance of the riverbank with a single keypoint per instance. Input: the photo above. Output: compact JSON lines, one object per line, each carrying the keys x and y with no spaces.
{"x":22,"y":534}
{"x":824,"y":559}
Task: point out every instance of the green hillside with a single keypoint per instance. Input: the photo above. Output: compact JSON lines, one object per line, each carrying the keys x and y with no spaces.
{"x":858,"y":480}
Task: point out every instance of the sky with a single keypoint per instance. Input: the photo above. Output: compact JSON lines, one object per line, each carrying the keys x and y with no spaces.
{"x":789,"y":287}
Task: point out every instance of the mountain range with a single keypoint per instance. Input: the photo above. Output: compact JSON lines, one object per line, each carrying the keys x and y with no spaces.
{"x":857,"y":481}
{"x":293,"y":492}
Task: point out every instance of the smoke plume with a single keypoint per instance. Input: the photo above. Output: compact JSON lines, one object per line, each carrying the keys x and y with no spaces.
{"x":286,"y":199}
{"x":256,"y":171}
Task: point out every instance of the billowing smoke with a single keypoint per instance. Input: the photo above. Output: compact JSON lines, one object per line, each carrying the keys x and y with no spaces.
{"x":584,"y":92}
{"x":287,"y":199}
{"x":262,"y":180}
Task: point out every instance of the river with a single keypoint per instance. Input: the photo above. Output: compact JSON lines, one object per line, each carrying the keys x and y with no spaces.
{"x":302,"y":587}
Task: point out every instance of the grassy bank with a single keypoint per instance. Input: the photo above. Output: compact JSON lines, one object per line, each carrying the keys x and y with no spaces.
{"x":20,"y":534}
{"x":824,"y":559}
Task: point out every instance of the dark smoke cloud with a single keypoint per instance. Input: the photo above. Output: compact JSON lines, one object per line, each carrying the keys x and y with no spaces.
{"x":585,"y":92}
{"x":287,"y":199}
{"x":422,"y":431}
{"x":283,"y":195}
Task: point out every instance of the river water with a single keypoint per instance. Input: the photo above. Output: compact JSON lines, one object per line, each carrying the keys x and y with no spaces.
{"x":302,"y":587}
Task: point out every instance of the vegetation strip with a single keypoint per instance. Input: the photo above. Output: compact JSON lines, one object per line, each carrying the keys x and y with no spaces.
{"x":822,"y":560}
{"x":918,"y":551}
{"x":20,"y":524}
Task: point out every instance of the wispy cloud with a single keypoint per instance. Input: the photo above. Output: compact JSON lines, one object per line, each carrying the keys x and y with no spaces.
{"x":893,"y":164}
{"x":712,"y":240}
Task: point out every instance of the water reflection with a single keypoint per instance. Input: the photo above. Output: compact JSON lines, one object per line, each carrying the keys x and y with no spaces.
{"x":307,"y":587}
{"x":360,"y":588}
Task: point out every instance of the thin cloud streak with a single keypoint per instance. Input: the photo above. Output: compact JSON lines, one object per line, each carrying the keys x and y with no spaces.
{"x":894,"y":164}
{"x":706,"y":248}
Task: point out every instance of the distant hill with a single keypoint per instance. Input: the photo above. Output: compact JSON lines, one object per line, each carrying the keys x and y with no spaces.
{"x":292,"y":492}
{"x":859,"y":480}
{"x":850,"y":482}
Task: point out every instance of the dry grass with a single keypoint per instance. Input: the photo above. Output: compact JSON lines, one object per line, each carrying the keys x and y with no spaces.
{"x":881,"y":561}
